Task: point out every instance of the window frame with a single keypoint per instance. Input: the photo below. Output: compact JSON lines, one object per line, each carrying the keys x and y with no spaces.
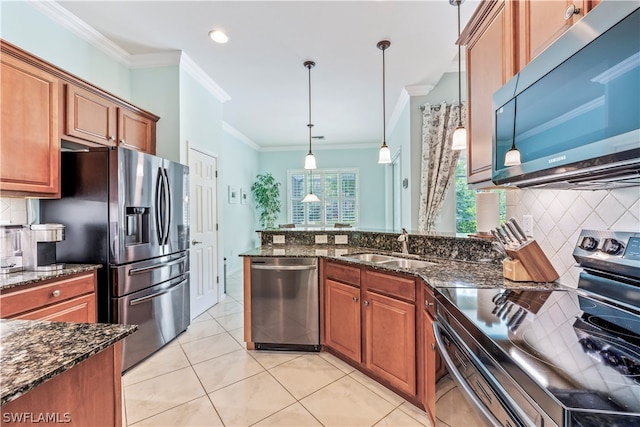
{"x":321,"y":195}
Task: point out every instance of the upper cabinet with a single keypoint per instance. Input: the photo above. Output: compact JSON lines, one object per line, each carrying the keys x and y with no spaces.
{"x":30,"y":136}
{"x":501,"y":38}
{"x":491,"y":59}
{"x":42,"y":105}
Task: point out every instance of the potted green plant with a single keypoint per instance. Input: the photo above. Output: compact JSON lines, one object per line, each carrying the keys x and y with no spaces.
{"x":266,"y":192}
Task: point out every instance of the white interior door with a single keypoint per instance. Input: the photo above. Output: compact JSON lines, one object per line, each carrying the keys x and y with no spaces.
{"x":203,"y":169}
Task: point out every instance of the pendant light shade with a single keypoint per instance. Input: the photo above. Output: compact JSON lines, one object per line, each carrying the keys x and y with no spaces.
{"x":512,"y":158}
{"x":459,"y":139}
{"x":310,"y":160}
{"x":385,"y":154}
{"x":310,"y":197}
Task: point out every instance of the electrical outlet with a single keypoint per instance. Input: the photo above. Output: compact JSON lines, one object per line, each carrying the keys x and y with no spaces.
{"x":527,"y":225}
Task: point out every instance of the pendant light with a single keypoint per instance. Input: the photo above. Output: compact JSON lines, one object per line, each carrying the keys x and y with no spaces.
{"x":459,"y":138}
{"x":310,"y":160}
{"x":384,"y":156}
{"x":310,"y":197}
{"x":512,"y":158}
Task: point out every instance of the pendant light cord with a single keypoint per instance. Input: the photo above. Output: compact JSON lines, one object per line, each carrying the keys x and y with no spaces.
{"x":384,"y":107}
{"x":459,"y":72}
{"x":310,"y":125}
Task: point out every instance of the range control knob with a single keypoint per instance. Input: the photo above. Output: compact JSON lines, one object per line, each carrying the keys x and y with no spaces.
{"x":589,"y":243}
{"x":612,"y":246}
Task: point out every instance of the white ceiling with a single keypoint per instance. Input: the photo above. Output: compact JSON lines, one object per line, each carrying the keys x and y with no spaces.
{"x":261,"y":67}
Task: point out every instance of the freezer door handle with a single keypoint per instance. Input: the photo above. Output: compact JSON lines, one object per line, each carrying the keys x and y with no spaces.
{"x":167,"y":205}
{"x":156,"y":295}
{"x":159,"y":214}
{"x":141,"y":270}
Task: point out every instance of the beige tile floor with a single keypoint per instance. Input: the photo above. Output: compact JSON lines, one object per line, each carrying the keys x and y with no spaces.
{"x":206,"y":377}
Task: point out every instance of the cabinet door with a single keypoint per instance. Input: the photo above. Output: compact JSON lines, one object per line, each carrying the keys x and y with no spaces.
{"x":342,"y":319}
{"x":29,"y":129}
{"x":390,"y":340}
{"x":545,"y":21}
{"x":429,"y":380}
{"x":490,"y":63}
{"x":81,"y":309}
{"x":90,"y":116}
{"x":136,"y":131}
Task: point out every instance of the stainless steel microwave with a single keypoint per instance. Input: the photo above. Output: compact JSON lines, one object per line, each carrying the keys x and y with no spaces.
{"x":574,"y":111}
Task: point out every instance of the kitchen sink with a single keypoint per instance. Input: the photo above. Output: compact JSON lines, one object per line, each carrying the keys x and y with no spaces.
{"x":407,"y":263}
{"x":391,"y":261}
{"x":371,"y":257}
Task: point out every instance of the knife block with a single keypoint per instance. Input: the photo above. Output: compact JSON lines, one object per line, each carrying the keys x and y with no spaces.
{"x":513,"y":269}
{"x":534,"y":261}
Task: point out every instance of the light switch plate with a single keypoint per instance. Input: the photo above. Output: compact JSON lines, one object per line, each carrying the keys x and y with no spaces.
{"x":527,"y":225}
{"x":342,"y":239}
{"x":322,"y":239}
{"x":278,"y":239}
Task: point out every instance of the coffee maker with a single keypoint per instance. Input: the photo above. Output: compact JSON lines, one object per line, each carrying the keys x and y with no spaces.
{"x":40,"y":247}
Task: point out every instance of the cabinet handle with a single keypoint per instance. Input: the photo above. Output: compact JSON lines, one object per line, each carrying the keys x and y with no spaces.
{"x":433,"y":347}
{"x":355,"y":299}
{"x":122,"y":141}
{"x":366,"y":302}
{"x":571,"y":10}
{"x":56,"y":293}
{"x":427,"y":304}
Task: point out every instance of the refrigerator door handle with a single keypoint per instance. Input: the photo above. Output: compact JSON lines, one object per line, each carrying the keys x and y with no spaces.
{"x":157,"y":207}
{"x":167,"y":206}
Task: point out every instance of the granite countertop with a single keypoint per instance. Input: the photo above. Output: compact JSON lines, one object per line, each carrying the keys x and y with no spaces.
{"x":22,"y":278}
{"x":443,"y":273}
{"x":32,"y":352}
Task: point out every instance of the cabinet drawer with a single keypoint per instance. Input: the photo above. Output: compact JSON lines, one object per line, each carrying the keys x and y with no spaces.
{"x":429,"y":300}
{"x":81,"y":309}
{"x":343,"y":273}
{"x":401,"y":287}
{"x":41,"y":295}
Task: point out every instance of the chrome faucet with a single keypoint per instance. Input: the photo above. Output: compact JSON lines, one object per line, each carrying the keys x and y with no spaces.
{"x":404,"y":238}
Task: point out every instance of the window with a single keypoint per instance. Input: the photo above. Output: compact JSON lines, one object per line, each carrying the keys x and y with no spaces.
{"x":337,"y":190}
{"x":466,"y":201}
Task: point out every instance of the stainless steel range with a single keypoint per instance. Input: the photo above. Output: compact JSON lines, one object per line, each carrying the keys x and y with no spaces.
{"x":565,"y":357}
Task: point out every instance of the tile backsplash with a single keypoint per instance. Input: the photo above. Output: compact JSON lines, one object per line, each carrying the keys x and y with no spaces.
{"x":560,"y":215}
{"x":13,"y":210}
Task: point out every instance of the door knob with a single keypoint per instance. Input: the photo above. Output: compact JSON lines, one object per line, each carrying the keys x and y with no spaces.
{"x":195,"y":242}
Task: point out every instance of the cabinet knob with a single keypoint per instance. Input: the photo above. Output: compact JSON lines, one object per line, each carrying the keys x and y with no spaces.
{"x":112,"y":138}
{"x":355,"y":299}
{"x":122,"y":141}
{"x":427,"y":304}
{"x":433,"y":347}
{"x":366,"y":302}
{"x":56,"y":293}
{"x":571,"y":10}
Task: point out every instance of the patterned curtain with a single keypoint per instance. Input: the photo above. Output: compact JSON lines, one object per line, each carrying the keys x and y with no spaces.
{"x":438,"y":160}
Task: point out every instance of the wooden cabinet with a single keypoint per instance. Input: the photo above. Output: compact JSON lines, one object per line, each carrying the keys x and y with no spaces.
{"x":501,"y":38}
{"x":370,"y":318}
{"x":94,"y":118}
{"x":136,"y":131}
{"x":69,"y":299}
{"x":391,"y":340}
{"x":342,"y":319}
{"x":431,"y":368}
{"x":29,"y":128}
{"x":491,"y":60}
{"x":89,"y":394}
{"x":89,"y":116}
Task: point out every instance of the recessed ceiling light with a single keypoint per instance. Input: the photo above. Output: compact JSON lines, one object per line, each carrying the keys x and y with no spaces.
{"x":218,"y":36}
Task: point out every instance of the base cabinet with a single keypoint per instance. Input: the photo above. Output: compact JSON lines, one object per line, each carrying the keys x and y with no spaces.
{"x":390,"y":340}
{"x":373,"y":324}
{"x":342,"y":319}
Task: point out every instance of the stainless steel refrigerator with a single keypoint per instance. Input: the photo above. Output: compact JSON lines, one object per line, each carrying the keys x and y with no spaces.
{"x":129,"y":211}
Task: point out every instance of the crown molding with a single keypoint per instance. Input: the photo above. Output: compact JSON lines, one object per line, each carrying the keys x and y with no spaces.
{"x":84,"y":31}
{"x":197,"y":73}
{"x":62,"y":16}
{"x":324,"y":146}
{"x":240,"y":136}
{"x":157,"y":59}
{"x":418,"y":90}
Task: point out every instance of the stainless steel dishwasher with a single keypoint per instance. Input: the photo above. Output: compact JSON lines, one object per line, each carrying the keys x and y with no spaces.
{"x":285,"y":307}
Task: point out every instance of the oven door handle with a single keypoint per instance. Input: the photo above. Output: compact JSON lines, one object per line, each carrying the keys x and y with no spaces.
{"x":283,"y":267}
{"x":451,"y":367}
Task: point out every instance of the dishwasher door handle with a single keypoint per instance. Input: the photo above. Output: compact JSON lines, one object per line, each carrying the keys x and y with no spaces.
{"x":282,"y":267}
{"x":451,"y":367}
